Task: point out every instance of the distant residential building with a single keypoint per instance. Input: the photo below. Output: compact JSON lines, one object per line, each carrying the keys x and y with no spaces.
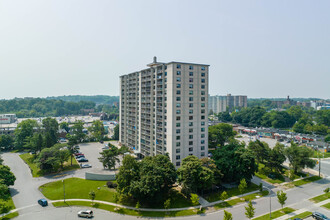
{"x":163,"y":109}
{"x":7,"y":118}
{"x":222,"y":103}
{"x":288,"y":101}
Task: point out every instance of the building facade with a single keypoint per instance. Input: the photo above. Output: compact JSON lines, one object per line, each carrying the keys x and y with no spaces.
{"x":7,"y":118}
{"x":222,"y":103}
{"x":163,"y":109}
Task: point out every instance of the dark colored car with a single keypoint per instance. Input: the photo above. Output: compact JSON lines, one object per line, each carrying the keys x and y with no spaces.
{"x":43,"y":202}
{"x":83,"y":159}
{"x":319,"y":216}
{"x":80,"y":156}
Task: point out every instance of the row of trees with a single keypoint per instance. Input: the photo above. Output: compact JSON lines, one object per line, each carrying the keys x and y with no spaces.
{"x":301,"y":119}
{"x":7,"y":178}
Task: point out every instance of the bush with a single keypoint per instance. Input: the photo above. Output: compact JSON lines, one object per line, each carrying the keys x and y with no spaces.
{"x":4,"y":208}
{"x":111,"y":185}
{"x":326,"y":190}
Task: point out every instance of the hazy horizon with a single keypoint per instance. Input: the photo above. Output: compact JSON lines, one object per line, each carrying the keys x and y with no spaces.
{"x":267,"y":49}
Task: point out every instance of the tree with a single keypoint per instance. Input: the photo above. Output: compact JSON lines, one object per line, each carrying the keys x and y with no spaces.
{"x":35,"y":143}
{"x":97,"y":130}
{"x":62,"y":154}
{"x":299,"y":157}
{"x":260,"y":187}
{"x":224,"y":196}
{"x":194,"y":199}
{"x":249,"y":210}
{"x":138,"y":206}
{"x":92,"y":196}
{"x":4,"y":192}
{"x":242,"y":186}
{"x":72,"y":140}
{"x":128,"y":173}
{"x":109,"y":157}
{"x":193,"y":176}
{"x":220,"y":134}
{"x":261,"y":150}
{"x":227,"y":215}
{"x":65,"y":125}
{"x":78,"y":131}
{"x":6,"y":142}
{"x":47,"y":160}
{"x":50,"y":127}
{"x":116,"y":133}
{"x":327,"y":138}
{"x":167,"y":203}
{"x":281,"y":197}
{"x":276,"y":157}
{"x":235,"y":162}
{"x":209,"y":163}
{"x":23,"y":131}
{"x":6,"y":176}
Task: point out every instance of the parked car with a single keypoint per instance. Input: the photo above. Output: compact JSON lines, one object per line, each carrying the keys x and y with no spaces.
{"x":85,"y":213}
{"x":77,"y":154}
{"x":43,"y":202}
{"x":101,"y":142}
{"x":83,"y":159}
{"x":106,"y":147}
{"x":62,"y":140}
{"x":80,"y":156}
{"x":85,"y":165}
{"x":319,"y":216}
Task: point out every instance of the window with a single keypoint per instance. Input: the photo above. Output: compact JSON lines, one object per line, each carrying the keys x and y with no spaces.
{"x":178,"y":111}
{"x":178,"y":144}
{"x":177,"y":164}
{"x":202,"y":80}
{"x":202,"y":99}
{"x":203,"y":86}
{"x":191,"y":124}
{"x":202,"y":123}
{"x":191,"y":99}
{"x":202,"y":141}
{"x":178,"y":66}
{"x":202,"y":147}
{"x":191,"y":86}
{"x":191,"y":117}
{"x":191,"y":80}
{"x":202,"y":154}
{"x":191,"y":73}
{"x":202,"y":92}
{"x":203,"y":68}
{"x":178,"y":92}
{"x":191,"y":67}
{"x":202,"y":135}
{"x":178,"y":157}
{"x":202,"y":117}
{"x":178,"y":124}
{"x":178,"y":105}
{"x":178,"y":85}
{"x":165,"y":73}
{"x":178,"y":99}
{"x":191,"y":130}
{"x":178,"y":79}
{"x":177,"y":151}
{"x":191,"y":142}
{"x":190,"y":105}
{"x":178,"y":118}
{"x":191,"y":111}
{"x":191,"y":136}
{"x":178,"y":137}
{"x":202,"y":129}
{"x":190,"y":149}
{"x":202,"y":105}
{"x":203,"y":74}
{"x":203,"y":111}
{"x":191,"y":92}
{"x":178,"y":131}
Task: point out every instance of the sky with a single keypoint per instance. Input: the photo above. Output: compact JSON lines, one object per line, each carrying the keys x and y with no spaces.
{"x":257,"y":48}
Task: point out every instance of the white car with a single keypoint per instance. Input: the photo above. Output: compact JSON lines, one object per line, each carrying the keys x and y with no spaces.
{"x":85,"y":213}
{"x":85,"y":166}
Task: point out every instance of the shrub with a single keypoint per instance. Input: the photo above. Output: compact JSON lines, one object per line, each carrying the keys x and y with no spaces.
{"x":111,"y":185}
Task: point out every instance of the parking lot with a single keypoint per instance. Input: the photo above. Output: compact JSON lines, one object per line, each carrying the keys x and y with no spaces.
{"x":271,"y":142}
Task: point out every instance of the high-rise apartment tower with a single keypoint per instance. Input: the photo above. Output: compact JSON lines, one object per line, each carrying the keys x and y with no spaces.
{"x":163,"y":109}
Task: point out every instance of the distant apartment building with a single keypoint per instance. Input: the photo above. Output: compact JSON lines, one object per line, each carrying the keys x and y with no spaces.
{"x":222,"y":103}
{"x":288,"y":101}
{"x":163,"y":109}
{"x":7,"y":118}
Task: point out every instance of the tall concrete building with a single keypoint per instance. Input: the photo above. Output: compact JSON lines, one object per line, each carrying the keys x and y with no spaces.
{"x":163,"y":109}
{"x":222,"y":103}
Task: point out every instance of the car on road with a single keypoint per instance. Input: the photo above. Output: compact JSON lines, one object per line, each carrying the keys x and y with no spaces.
{"x":43,"y":202}
{"x":85,"y":165}
{"x":319,"y":216}
{"x":85,"y":213}
{"x":82,"y":159}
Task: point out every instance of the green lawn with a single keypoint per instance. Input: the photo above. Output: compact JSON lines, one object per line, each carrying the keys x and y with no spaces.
{"x":318,"y":154}
{"x":76,"y":188}
{"x":321,"y":198}
{"x":276,"y":214}
{"x":231,"y":192}
{"x":36,"y":172}
{"x":9,"y":216}
{"x":264,"y":175}
{"x":326,"y":206}
{"x":128,"y":211}
{"x":303,"y":181}
{"x":301,"y":215}
{"x":9,"y":202}
{"x":233,"y":202}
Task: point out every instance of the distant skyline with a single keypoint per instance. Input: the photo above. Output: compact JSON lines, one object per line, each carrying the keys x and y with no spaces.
{"x":267,"y":49}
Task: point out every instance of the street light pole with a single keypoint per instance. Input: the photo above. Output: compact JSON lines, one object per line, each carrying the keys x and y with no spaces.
{"x":270,"y":202}
{"x":63,"y":190}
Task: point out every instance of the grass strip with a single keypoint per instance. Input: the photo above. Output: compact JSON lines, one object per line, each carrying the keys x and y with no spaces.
{"x":9,"y":216}
{"x":236,"y":201}
{"x":320,"y":198}
{"x":129,"y":211}
{"x":276,"y":214}
{"x":326,"y":205}
{"x":301,"y":215}
{"x":304,"y":181}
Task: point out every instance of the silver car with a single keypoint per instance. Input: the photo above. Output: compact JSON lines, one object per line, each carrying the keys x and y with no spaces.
{"x":85,"y":213}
